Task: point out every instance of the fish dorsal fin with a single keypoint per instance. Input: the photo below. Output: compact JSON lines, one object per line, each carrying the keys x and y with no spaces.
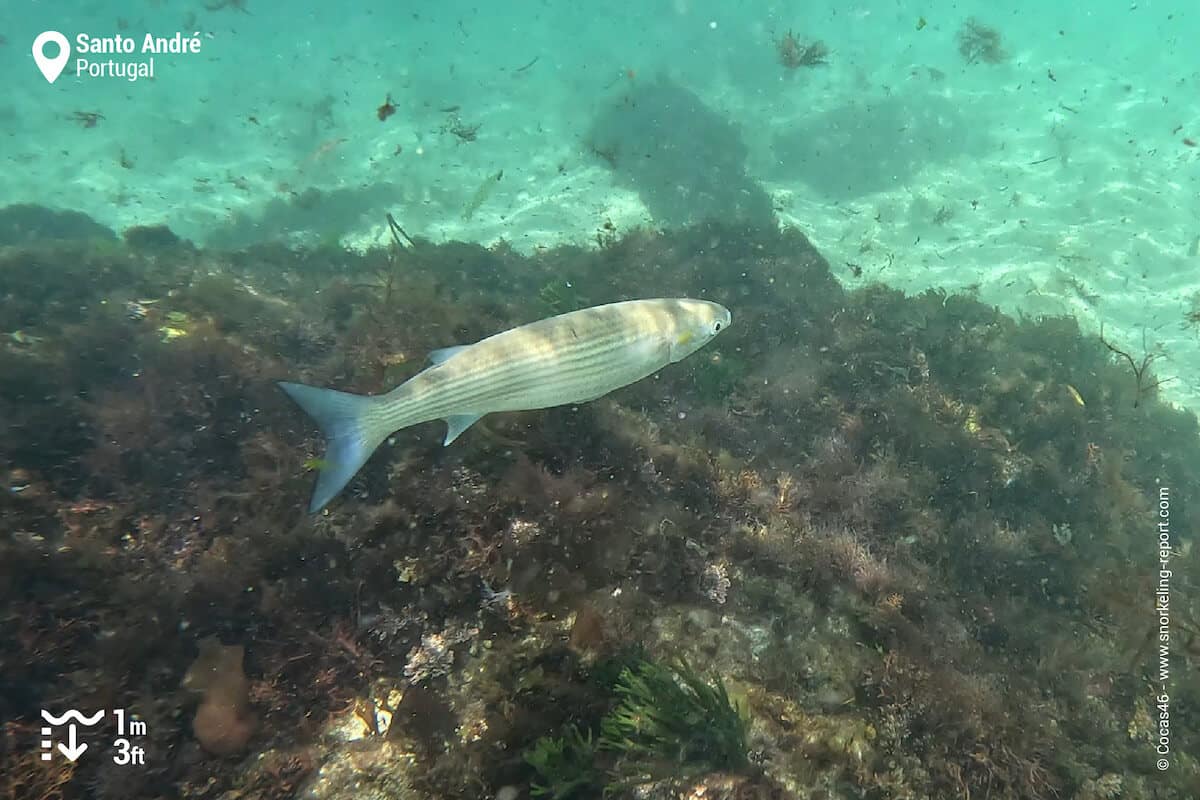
{"x":444,"y":354}
{"x":457,"y":423}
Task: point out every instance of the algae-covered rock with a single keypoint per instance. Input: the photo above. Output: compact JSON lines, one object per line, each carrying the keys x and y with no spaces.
{"x":26,"y":223}
{"x":375,"y":768}
{"x":850,"y":518}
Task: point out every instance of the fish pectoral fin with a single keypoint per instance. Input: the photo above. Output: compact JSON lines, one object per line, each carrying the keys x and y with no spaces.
{"x":444,"y":354}
{"x":457,"y":423}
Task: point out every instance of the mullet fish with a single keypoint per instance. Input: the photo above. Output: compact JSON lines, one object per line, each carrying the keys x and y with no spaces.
{"x":571,"y":358}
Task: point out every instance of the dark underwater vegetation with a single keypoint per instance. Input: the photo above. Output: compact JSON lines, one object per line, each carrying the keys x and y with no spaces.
{"x":864,"y":545}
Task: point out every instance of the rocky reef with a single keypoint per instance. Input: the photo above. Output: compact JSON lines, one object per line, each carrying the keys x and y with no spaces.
{"x":866,"y":545}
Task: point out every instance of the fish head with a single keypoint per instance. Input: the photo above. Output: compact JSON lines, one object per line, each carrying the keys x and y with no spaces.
{"x":696,"y":323}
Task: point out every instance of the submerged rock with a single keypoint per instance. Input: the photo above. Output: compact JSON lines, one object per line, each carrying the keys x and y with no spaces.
{"x":369,"y":769}
{"x":151,"y":237}
{"x":26,"y":223}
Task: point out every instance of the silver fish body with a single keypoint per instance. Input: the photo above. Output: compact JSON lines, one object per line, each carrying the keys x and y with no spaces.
{"x":570,"y":358}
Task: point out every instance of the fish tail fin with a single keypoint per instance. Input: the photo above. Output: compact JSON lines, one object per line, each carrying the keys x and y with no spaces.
{"x":352,"y":433}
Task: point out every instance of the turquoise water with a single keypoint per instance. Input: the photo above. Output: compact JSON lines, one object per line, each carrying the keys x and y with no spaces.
{"x":1055,"y":182}
{"x":800,"y":510}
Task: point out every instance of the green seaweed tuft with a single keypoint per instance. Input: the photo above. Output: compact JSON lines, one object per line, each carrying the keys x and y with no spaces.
{"x":671,"y":722}
{"x":565,"y":766}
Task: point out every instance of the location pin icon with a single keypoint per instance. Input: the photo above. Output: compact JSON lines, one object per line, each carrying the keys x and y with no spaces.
{"x":51,"y":67}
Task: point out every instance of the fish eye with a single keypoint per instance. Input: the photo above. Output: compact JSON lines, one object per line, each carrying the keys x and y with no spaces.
{"x":717,"y":327}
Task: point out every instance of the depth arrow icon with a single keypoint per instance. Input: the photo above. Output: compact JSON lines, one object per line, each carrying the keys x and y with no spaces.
{"x":72,"y":749}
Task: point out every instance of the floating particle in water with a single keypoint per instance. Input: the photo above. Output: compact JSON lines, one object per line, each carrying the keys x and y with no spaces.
{"x":387,"y":109}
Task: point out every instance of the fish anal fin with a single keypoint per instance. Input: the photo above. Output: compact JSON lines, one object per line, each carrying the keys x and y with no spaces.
{"x":457,"y":423}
